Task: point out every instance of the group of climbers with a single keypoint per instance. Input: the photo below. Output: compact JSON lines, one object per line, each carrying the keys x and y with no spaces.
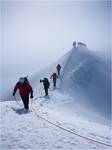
{"x":78,"y":44}
{"x":26,"y":90}
{"x":54,"y":78}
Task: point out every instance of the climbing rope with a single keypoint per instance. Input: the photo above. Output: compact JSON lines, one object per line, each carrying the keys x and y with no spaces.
{"x":74,"y":133}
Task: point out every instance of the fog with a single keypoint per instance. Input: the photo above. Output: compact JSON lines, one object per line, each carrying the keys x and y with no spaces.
{"x":35,"y":34}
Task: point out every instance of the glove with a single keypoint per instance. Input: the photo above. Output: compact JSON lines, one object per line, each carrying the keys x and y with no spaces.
{"x":31,"y":96}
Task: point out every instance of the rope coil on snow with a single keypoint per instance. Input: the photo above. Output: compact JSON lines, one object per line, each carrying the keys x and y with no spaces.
{"x":76,"y":134}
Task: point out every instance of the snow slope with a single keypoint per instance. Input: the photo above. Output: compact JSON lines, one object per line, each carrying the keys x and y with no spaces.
{"x":85,"y":76}
{"x":29,"y":132}
{"x":8,"y":83}
{"x":81,"y":103}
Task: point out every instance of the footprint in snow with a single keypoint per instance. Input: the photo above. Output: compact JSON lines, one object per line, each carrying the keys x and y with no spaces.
{"x":93,"y":134}
{"x":41,"y":104}
{"x":59,"y":147}
{"x":58,"y":123}
{"x":107,"y":138}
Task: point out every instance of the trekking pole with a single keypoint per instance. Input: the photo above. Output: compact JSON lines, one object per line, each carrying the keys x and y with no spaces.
{"x":17,"y":101}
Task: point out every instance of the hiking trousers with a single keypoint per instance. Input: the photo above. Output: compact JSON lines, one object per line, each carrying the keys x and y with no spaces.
{"x":25,"y":100}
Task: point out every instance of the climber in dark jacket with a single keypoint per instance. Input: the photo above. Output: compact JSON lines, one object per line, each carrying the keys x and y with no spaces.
{"x":58,"y":67}
{"x":24,"y":90}
{"x":46,"y":85}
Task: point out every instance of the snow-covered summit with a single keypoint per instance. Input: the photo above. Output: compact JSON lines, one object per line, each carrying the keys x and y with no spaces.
{"x":86,"y":76}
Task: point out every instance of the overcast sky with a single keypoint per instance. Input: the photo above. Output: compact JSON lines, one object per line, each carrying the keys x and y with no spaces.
{"x":35,"y":34}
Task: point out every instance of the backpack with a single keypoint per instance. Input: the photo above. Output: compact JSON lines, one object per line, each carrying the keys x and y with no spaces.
{"x":46,"y":81}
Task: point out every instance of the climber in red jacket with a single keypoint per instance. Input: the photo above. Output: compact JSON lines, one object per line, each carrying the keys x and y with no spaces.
{"x":54,"y":77}
{"x":24,"y":90}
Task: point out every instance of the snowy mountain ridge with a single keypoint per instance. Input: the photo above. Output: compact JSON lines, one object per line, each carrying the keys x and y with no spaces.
{"x":70,"y":106}
{"x":85,"y":76}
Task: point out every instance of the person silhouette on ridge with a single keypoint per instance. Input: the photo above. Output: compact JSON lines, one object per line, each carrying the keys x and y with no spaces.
{"x":58,"y":67}
{"x":54,"y":76}
{"x":46,"y":85}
